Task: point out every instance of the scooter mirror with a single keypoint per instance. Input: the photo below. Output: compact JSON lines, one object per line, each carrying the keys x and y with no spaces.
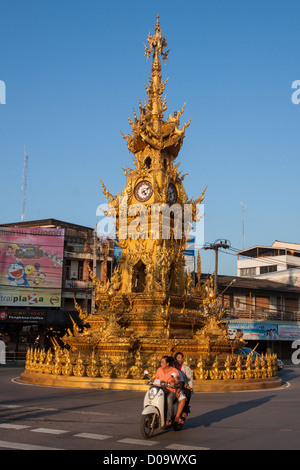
{"x":146,"y":372}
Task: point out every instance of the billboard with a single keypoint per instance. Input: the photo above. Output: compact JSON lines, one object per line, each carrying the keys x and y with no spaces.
{"x":263,"y":331}
{"x":22,"y":316}
{"x":253,"y":330}
{"x":289,"y":332}
{"x":31,"y":265}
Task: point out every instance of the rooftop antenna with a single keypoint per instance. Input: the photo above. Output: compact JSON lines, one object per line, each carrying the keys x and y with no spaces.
{"x":24,"y":183}
{"x":244,"y":207}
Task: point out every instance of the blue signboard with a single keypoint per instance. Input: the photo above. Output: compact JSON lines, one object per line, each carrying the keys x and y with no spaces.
{"x":190,"y":247}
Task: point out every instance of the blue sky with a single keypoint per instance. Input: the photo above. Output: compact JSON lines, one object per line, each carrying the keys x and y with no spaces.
{"x":74,"y":71}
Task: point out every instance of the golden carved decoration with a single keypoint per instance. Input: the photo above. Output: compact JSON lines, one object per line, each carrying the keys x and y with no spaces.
{"x":79,"y":368}
{"x":92,"y":370}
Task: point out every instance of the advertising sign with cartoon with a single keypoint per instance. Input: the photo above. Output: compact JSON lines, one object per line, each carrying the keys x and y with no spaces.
{"x":31,"y":264}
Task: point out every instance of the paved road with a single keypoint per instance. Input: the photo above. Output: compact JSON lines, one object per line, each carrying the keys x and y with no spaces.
{"x":36,"y":417}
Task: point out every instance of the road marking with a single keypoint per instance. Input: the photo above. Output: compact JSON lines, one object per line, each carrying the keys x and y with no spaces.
{"x":49,"y":431}
{"x":28,"y":408}
{"x":21,"y":446}
{"x":95,"y":413}
{"x":89,"y":435}
{"x":35,"y":408}
{"x":11,"y":406}
{"x":184,"y":447}
{"x":139,"y":442}
{"x":12,"y":426}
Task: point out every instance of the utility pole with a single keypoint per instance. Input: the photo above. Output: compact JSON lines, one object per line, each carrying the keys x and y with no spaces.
{"x":215,"y":246}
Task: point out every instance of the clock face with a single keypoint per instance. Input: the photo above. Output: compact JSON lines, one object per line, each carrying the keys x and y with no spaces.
{"x":143,"y":191}
{"x":172,"y":193}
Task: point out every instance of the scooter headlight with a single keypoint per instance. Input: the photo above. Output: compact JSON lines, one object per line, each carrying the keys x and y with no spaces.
{"x":152,"y":392}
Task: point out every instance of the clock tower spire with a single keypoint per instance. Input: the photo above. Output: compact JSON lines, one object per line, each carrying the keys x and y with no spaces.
{"x":150,"y":130}
{"x":157,"y":45}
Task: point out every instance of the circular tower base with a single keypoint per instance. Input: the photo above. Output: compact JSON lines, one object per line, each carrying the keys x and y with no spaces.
{"x":140,"y":385}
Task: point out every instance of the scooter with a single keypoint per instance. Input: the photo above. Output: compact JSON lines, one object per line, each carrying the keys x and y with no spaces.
{"x":153,"y":414}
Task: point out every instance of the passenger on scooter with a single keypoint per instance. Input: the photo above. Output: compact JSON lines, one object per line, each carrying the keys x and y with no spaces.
{"x":164,"y":373}
{"x":187,"y":374}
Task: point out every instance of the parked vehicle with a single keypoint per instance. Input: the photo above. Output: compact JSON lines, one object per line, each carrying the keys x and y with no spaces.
{"x":153,"y":414}
{"x":246,"y":351}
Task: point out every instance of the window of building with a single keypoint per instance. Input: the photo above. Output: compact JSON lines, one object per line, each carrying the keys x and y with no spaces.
{"x":291,"y":305}
{"x":68,"y":268}
{"x":248,"y":271}
{"x":268,"y":269}
{"x":262,"y":303}
{"x":80,"y":270}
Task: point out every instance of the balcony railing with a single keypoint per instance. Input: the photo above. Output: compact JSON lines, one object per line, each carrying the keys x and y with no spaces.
{"x":258,"y":314}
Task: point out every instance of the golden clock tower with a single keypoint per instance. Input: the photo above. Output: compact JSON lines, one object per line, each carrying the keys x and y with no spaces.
{"x":153,"y":213}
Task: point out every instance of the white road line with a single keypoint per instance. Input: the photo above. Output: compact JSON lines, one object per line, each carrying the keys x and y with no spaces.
{"x":21,"y":446}
{"x":184,"y":447}
{"x":13,"y":426}
{"x":11,"y":406}
{"x":89,"y":435}
{"x":38,"y":408}
{"x":48,"y":431}
{"x":139,"y":442}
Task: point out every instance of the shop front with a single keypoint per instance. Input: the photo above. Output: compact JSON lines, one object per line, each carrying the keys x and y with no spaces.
{"x":24,"y":328}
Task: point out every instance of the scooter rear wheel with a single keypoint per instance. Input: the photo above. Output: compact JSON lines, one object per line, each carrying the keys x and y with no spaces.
{"x":147,"y":425}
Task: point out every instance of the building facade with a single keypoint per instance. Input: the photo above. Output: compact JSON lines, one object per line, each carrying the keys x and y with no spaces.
{"x":265,"y":312}
{"x":82,"y":252}
{"x":279,"y":262}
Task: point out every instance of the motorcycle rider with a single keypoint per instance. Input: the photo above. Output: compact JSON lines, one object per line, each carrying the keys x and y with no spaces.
{"x":187,"y":374}
{"x":164,"y":374}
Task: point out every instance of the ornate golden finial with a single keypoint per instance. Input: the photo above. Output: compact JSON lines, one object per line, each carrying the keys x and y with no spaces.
{"x":150,"y":131}
{"x":157,"y":27}
{"x":157,"y":44}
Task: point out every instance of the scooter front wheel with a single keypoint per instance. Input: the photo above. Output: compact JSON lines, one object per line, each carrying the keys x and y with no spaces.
{"x":147,"y":425}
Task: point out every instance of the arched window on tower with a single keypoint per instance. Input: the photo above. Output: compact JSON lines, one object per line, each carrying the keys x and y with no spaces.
{"x":172,"y":278}
{"x":139,"y":277}
{"x":147,"y":163}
